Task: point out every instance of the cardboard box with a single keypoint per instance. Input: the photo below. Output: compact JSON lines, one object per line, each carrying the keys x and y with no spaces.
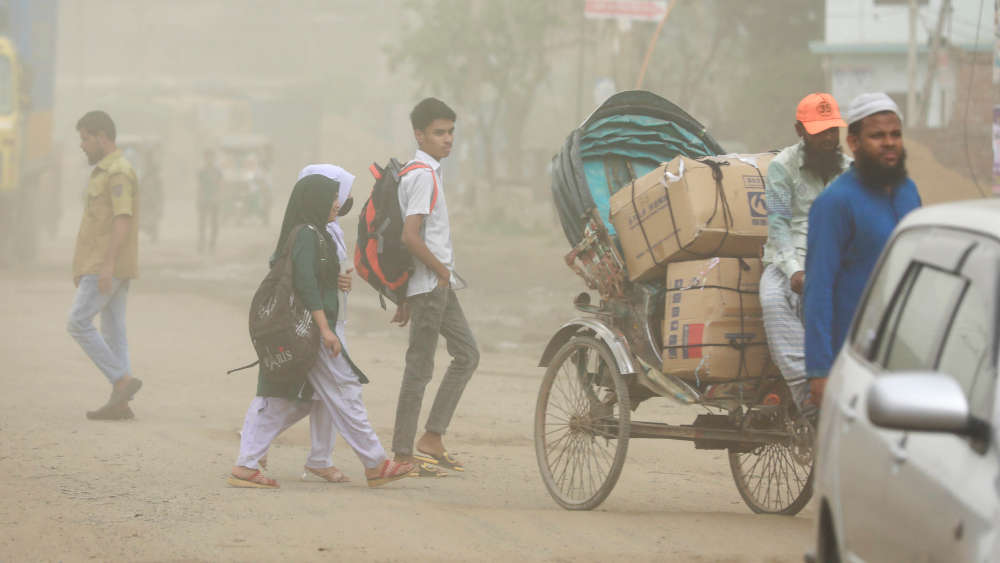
{"x":713,"y":325}
{"x":679,"y":212}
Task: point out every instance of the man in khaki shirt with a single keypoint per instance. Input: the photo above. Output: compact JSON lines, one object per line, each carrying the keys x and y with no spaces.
{"x":106,"y":258}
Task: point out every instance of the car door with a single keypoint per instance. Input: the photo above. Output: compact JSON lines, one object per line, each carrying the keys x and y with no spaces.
{"x":863,"y":452}
{"x":940,"y":487}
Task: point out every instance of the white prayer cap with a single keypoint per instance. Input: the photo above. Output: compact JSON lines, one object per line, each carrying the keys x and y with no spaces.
{"x":870,"y":104}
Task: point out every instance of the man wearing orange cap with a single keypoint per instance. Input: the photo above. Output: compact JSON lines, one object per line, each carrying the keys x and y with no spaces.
{"x":794,"y":178}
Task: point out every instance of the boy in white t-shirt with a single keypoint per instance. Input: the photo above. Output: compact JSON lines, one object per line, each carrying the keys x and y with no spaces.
{"x":431,"y":305}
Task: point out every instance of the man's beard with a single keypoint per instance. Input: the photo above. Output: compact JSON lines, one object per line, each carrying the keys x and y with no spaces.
{"x":93,"y":158}
{"x":876,"y":175}
{"x":825,"y":164}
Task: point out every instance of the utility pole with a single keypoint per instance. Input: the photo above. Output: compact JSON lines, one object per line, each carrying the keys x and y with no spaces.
{"x":911,"y":69}
{"x":652,"y":44}
{"x":932,"y":62}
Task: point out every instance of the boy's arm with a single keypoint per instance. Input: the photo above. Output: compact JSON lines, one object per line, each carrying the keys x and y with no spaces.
{"x":415,"y":244}
{"x":418,"y":248}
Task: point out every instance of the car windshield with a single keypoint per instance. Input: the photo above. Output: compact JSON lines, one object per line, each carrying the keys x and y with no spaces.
{"x":6,"y":86}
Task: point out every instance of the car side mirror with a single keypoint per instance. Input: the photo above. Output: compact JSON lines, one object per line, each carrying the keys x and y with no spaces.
{"x":921,"y":402}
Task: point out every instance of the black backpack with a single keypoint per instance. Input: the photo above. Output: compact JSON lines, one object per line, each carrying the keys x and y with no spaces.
{"x":282,"y":329}
{"x":380,"y":257}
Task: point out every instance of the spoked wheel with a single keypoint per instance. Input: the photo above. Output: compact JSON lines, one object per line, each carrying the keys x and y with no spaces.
{"x":776,"y":478}
{"x":581,"y":424}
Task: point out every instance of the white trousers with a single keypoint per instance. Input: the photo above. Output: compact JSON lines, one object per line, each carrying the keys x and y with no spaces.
{"x":786,"y":336}
{"x":268,"y":417}
{"x":337,"y":407}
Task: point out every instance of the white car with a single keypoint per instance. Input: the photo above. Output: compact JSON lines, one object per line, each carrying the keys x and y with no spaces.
{"x":907,"y":448}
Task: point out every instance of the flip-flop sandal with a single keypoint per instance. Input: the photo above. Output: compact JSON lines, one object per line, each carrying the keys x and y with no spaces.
{"x":255,"y":481}
{"x":328,"y":474}
{"x":444,"y":460}
{"x":390,"y":471}
{"x":426,"y":470}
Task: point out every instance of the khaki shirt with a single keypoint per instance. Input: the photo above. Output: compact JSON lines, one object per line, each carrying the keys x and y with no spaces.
{"x":113,"y":190}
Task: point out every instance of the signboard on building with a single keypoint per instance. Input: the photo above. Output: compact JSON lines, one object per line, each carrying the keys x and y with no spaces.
{"x":631,"y":10}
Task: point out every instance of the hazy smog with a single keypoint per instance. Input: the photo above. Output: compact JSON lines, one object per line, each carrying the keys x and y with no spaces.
{"x":262,"y":89}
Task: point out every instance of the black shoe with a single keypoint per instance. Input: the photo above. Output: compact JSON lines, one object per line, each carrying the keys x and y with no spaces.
{"x":122,"y":395}
{"x":112,"y":412}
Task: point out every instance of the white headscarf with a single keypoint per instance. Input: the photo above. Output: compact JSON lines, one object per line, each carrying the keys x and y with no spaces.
{"x":870,"y":104}
{"x":346,"y":180}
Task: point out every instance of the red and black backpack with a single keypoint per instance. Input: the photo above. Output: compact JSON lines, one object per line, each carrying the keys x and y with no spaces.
{"x":380,"y":257}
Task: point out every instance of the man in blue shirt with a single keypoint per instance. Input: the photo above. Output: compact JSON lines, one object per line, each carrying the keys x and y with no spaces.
{"x":849,"y":224}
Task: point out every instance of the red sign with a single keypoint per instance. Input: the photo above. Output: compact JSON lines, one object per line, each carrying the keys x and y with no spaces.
{"x":636,"y":10}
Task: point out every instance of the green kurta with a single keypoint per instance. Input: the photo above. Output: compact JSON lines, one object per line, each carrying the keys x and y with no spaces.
{"x":315,"y":280}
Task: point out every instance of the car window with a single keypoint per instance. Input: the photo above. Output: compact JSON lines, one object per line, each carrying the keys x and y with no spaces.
{"x":890,"y":271}
{"x":966,"y":354}
{"x":919,"y":316}
{"x":937,"y":320}
{"x":969,"y":351}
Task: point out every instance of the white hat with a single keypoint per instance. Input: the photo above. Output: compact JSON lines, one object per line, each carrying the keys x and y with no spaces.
{"x":870,"y":104}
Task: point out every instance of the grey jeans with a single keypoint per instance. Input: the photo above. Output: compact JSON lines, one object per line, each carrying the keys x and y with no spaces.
{"x":431,"y":314}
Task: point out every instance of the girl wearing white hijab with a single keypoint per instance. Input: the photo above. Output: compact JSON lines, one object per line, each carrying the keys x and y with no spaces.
{"x":337,"y":397}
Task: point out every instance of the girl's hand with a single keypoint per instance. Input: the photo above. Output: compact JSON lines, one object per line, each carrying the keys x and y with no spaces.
{"x":344,"y":280}
{"x":331,"y":341}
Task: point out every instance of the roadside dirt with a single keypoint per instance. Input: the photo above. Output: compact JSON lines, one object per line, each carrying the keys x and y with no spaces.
{"x":153,"y":489}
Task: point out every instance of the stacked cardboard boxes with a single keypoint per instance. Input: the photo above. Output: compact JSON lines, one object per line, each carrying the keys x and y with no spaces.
{"x":688,"y":209}
{"x":712,"y":326}
{"x":702,"y":224}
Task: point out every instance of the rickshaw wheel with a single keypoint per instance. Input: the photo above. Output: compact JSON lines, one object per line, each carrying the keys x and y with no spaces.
{"x":582,"y":421}
{"x":777,"y":477}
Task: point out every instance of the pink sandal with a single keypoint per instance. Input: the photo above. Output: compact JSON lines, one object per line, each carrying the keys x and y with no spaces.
{"x":390,"y":471}
{"x":254,"y":481}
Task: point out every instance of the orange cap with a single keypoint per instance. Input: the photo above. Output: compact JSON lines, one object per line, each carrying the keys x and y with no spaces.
{"x":819,"y":112}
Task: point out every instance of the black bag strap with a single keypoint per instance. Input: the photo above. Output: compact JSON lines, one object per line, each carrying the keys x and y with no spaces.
{"x":248,"y":366}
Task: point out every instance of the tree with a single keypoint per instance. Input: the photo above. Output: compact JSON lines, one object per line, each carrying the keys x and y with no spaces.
{"x":741,"y":71}
{"x":488,"y":59}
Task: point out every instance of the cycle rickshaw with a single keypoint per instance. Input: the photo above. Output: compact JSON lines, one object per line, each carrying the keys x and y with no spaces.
{"x":603,"y":364}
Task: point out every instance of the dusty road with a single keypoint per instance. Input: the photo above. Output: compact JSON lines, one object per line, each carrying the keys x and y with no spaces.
{"x":153,"y":489}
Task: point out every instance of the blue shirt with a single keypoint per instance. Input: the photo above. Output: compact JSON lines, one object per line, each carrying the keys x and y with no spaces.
{"x":849,"y":224}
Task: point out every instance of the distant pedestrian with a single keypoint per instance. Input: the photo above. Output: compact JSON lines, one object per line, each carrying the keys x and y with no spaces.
{"x":151,"y":183}
{"x":105,"y":260}
{"x":849,"y":224}
{"x":794,"y":178}
{"x":209,"y":196}
{"x":431,"y":305}
{"x":334,"y":380}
